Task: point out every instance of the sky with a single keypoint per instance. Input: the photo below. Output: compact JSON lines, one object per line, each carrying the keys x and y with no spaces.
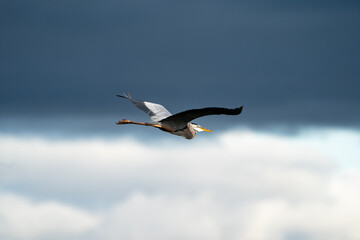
{"x":287,"y":168}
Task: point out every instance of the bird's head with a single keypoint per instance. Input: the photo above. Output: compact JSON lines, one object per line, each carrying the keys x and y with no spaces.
{"x":199,"y":128}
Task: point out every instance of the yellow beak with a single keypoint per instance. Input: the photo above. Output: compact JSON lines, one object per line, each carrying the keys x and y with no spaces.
{"x":207,"y":130}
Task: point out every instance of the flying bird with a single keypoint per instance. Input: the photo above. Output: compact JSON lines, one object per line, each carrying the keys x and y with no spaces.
{"x":177,"y":124}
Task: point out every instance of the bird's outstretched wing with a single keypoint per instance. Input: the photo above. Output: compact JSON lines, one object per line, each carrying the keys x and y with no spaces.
{"x":156,"y":111}
{"x":189,"y":115}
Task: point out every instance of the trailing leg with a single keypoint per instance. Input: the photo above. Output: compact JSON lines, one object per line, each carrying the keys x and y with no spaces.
{"x":125,"y":121}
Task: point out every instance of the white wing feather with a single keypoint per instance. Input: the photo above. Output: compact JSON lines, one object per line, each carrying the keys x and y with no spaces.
{"x":156,"y":111}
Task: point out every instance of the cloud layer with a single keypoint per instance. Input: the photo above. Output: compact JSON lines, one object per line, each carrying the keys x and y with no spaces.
{"x":240,"y":185}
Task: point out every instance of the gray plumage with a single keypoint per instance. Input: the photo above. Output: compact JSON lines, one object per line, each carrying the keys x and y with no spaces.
{"x":177,"y":124}
{"x":156,"y":111}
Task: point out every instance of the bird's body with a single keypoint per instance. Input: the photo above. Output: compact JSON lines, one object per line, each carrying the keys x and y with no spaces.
{"x":187,"y":132}
{"x":177,"y":124}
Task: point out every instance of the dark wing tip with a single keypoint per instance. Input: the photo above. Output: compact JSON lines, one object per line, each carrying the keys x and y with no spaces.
{"x":123,"y":95}
{"x":239,"y":110}
{"x":236,"y":111}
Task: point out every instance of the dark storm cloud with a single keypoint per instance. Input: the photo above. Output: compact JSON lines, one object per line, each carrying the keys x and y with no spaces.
{"x":287,"y":61}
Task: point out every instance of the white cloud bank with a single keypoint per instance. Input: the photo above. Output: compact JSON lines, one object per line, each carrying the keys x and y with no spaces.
{"x":242,"y":185}
{"x":21,"y":218}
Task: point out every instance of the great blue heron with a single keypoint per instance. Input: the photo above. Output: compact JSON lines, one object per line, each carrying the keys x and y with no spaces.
{"x":177,"y":124}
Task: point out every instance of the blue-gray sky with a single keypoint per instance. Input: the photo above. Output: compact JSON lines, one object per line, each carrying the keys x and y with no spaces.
{"x":294,"y":62}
